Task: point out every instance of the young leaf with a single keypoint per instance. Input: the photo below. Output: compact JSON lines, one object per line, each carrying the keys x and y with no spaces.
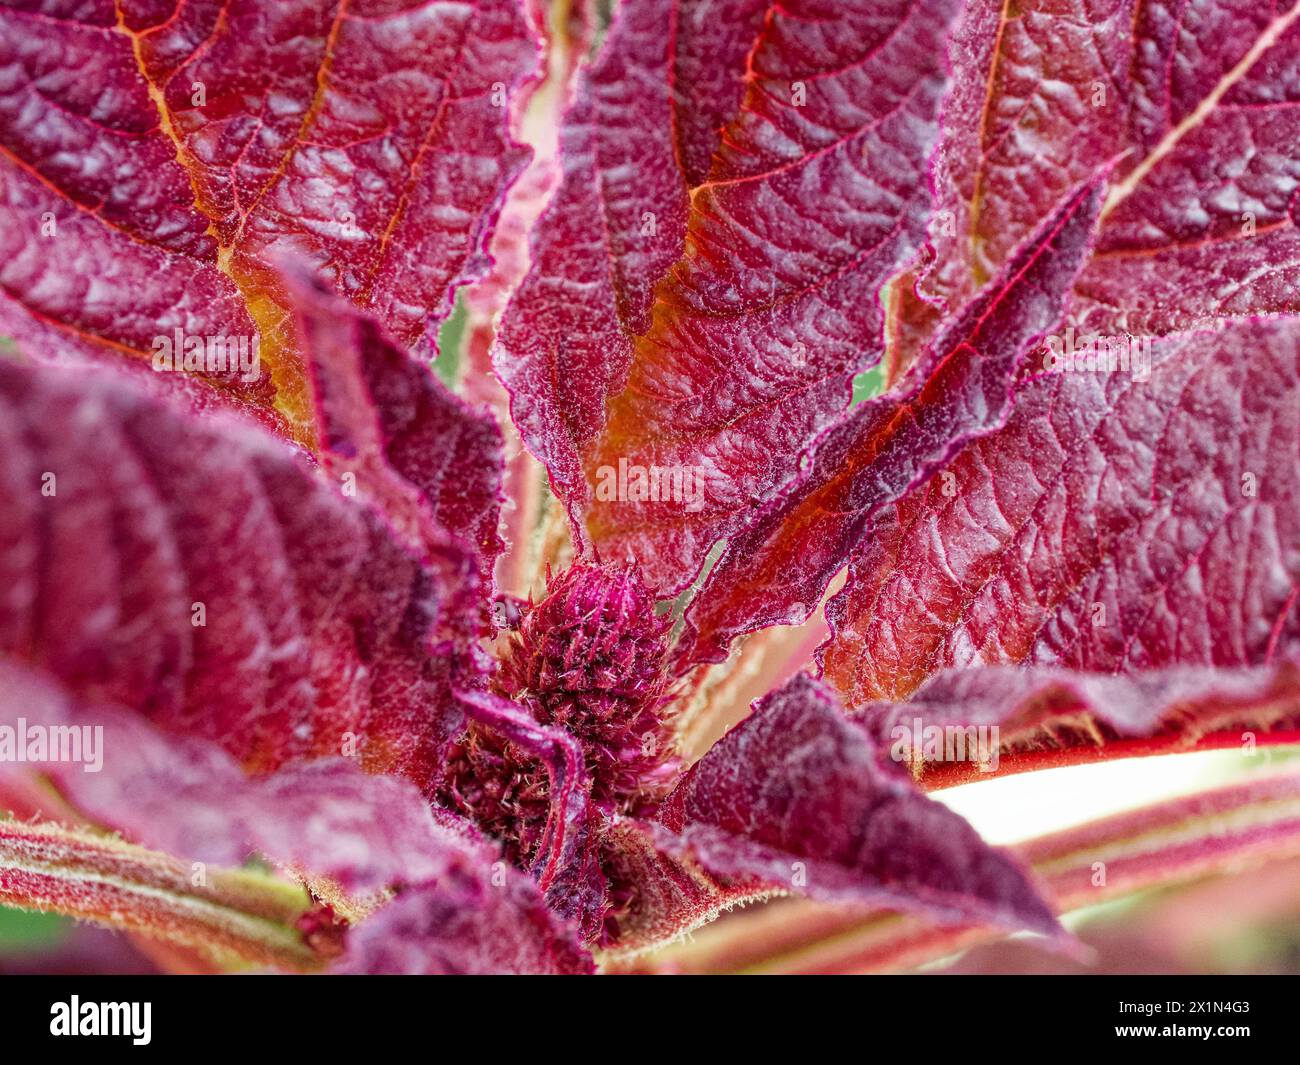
{"x":776,"y":570}
{"x":726,"y":281}
{"x":465,"y":924}
{"x":657,"y":896}
{"x":566,"y":860}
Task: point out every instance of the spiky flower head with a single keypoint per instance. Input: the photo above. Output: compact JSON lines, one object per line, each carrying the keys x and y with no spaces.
{"x":589,"y":657}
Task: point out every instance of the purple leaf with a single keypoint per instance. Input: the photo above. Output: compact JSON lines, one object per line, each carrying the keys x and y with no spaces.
{"x":186,"y":796}
{"x":158,"y":159}
{"x":1050,"y":716}
{"x":466,"y":924}
{"x":656,"y":896}
{"x":200,"y":573}
{"x":1197,"y":98}
{"x":777,"y":570}
{"x":794,"y":799}
{"x":326,"y":821}
{"x":707,"y":320}
{"x":432,"y":462}
{"x":1119,"y":522}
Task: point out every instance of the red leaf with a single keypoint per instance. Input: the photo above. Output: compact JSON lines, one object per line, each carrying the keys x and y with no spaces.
{"x":176,"y":150}
{"x":706,"y":317}
{"x":794,"y":799}
{"x":326,"y":819}
{"x":1052,"y":716}
{"x":430,"y":461}
{"x":1199,"y":223}
{"x":1113,"y":525}
{"x":1244,"y":826}
{"x":200,"y":574}
{"x":186,"y":796}
{"x":658,"y":895}
{"x":776,"y":571}
{"x":466,"y":924}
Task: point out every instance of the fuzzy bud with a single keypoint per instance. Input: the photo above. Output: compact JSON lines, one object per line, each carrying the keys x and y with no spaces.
{"x":590,"y":658}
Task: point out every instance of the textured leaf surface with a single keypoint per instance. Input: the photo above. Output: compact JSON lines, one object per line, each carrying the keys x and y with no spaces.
{"x":701,"y":300}
{"x":793,"y":799}
{"x":429,"y":460}
{"x":186,"y":796}
{"x":1252,"y":825}
{"x":1200,"y":99}
{"x":777,"y":570}
{"x":658,"y":892}
{"x":200,"y":574}
{"x":325,"y":819}
{"x":1113,"y":525}
{"x":176,"y":147}
{"x":1050,"y":716}
{"x":466,"y":924}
